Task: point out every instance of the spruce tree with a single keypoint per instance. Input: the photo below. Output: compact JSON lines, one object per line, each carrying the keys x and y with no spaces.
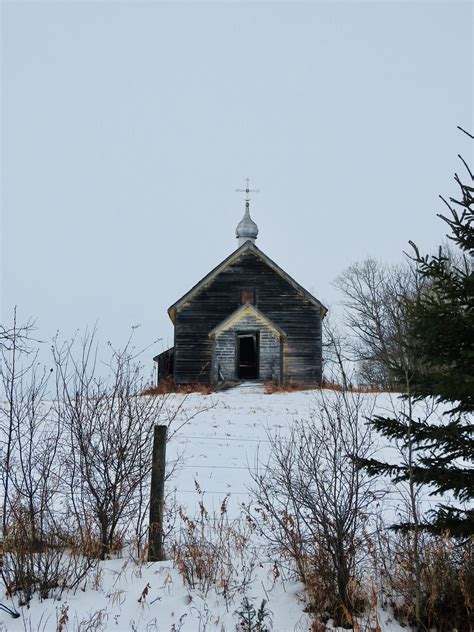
{"x":441,"y":337}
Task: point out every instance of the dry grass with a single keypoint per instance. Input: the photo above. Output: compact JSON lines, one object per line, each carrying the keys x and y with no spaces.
{"x":333,"y":386}
{"x":168,"y":386}
{"x":290,"y":387}
{"x":211,"y":551}
{"x":41,"y":562}
{"x":446,"y":585}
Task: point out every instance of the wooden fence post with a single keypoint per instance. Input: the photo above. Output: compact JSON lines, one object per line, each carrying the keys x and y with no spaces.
{"x":157,"y":495}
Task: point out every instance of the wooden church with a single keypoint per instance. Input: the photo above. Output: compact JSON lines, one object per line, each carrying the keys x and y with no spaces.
{"x":245,"y":320}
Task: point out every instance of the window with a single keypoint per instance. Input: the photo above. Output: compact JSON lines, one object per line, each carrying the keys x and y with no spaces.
{"x":247,"y":295}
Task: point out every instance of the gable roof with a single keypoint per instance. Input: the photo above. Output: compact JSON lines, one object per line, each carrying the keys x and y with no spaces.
{"x":248,"y":246}
{"x":239,"y":313}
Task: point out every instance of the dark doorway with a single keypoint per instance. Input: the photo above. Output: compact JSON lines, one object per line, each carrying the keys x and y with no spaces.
{"x":247,"y":356}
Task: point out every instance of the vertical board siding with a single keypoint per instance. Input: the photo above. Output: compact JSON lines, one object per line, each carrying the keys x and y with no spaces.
{"x":288,"y":308}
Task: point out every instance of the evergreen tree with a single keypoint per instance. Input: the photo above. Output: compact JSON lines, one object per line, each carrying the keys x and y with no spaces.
{"x":441,"y":337}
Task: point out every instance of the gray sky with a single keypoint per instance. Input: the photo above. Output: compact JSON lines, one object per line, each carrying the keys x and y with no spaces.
{"x":127,"y":127}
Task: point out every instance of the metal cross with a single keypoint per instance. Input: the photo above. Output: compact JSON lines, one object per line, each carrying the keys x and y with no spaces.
{"x":247,"y":190}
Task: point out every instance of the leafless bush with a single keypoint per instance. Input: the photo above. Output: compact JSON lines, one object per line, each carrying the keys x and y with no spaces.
{"x":446,"y":585}
{"x":40,"y":554}
{"x":107,"y":433}
{"x":76,"y":471}
{"x":30,"y":478}
{"x":46,"y":568}
{"x":313,"y":505}
{"x":107,"y":441}
{"x":22,"y":386}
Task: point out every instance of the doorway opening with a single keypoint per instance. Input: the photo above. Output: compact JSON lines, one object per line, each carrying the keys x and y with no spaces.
{"x":247,"y":356}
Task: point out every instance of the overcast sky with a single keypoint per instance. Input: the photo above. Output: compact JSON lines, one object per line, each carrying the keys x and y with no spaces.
{"x":127,"y":127}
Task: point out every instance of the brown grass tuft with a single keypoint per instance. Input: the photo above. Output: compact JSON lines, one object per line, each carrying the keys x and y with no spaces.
{"x":333,"y":386}
{"x":168,"y":386}
{"x":290,"y":387}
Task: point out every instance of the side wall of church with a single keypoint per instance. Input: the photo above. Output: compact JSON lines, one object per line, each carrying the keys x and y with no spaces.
{"x":282,"y":303}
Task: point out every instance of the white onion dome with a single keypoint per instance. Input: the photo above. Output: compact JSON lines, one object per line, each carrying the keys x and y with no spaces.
{"x":247,"y":228}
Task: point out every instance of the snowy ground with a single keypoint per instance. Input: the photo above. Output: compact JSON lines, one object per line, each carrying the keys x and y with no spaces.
{"x":217,"y":449}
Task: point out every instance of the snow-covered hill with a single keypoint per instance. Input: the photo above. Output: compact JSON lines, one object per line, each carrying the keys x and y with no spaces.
{"x":217,"y":450}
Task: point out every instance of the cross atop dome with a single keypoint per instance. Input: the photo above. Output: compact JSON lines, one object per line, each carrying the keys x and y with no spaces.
{"x":246,"y":229}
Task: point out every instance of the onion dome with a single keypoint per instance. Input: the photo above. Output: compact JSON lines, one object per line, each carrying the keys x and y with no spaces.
{"x":246,"y":229}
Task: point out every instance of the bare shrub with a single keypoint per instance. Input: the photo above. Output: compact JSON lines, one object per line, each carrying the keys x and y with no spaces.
{"x":22,"y":389}
{"x":108,"y":429}
{"x":46,"y":568}
{"x":40,"y":555}
{"x":446,"y":584}
{"x":313,"y":505}
{"x":33,"y":483}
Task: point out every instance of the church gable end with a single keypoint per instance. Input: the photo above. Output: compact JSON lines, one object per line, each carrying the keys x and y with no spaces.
{"x":275,"y":295}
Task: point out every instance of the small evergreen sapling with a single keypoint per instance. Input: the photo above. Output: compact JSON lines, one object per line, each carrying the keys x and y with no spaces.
{"x":251,"y":620}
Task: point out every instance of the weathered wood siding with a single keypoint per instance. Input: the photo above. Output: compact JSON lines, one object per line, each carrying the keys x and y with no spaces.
{"x":165,"y":365}
{"x":226,"y":347}
{"x":288,"y":308}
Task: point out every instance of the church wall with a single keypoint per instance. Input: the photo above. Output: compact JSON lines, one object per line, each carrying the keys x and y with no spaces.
{"x":225,"y":350}
{"x":283,"y":304}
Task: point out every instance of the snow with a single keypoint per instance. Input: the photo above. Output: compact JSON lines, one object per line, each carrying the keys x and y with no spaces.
{"x":216,"y":448}
{"x":118,"y":603}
